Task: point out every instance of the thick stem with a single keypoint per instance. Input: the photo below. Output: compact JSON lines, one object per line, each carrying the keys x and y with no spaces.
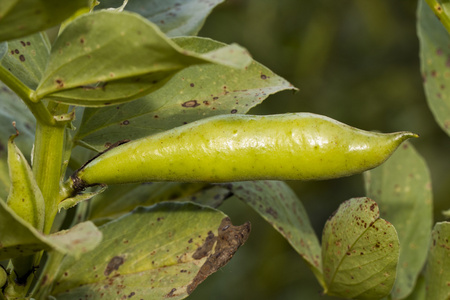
{"x":47,"y":160}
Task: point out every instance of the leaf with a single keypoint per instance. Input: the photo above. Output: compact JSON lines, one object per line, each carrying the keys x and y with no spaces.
{"x":193,"y":93}
{"x":279,"y":206}
{"x":78,"y":240}
{"x":24,"y":197}
{"x":174,"y":17}
{"x":27,"y":57}
{"x":402,"y":188}
{"x":20,"y":18}
{"x":13,"y":109}
{"x":3,"y":49}
{"x":25,"y":240}
{"x":159,"y":252}
{"x":121,"y":199}
{"x":73,"y":201}
{"x":108,"y":57}
{"x":360,"y":251}
{"x":438,"y":273}
{"x":435,"y":64}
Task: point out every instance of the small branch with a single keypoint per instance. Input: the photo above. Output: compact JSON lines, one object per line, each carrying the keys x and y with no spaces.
{"x":440,"y":13}
{"x":28,"y":96}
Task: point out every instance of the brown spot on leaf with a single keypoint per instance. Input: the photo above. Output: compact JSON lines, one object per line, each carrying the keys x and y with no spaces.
{"x":16,"y":51}
{"x":59,"y":83}
{"x":204,"y":249}
{"x":23,"y":43}
{"x":263,"y":76}
{"x":190,"y":103}
{"x":171,"y":293}
{"x":233,"y":111}
{"x":192,"y":85}
{"x":272,"y":212}
{"x":126,"y":122}
{"x":114,"y":265}
{"x":229,"y":239}
{"x":22,"y":58}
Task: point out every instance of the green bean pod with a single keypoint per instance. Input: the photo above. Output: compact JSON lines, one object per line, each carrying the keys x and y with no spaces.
{"x":296,"y":146}
{"x":25,"y":197}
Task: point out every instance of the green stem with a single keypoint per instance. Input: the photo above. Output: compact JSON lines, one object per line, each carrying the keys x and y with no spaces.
{"x":440,"y":13}
{"x":47,"y":160}
{"x":28,"y":96}
{"x":44,"y":284}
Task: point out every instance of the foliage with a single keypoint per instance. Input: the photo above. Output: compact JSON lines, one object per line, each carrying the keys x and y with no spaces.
{"x":111,"y":75}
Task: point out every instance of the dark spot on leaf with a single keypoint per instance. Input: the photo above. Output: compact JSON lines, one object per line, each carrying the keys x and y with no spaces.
{"x":107,"y":145}
{"x":82,"y":40}
{"x":204,"y":249}
{"x":206,"y":102}
{"x":170,"y":294}
{"x":372,"y":207}
{"x":215,"y":98}
{"x":28,"y":43}
{"x":16,"y":51}
{"x":228,"y":242}
{"x":22,"y":58}
{"x":12,"y":52}
{"x":23,"y":43}
{"x":59,"y":83}
{"x":272,"y":212}
{"x":190,"y":241}
{"x":131,"y":294}
{"x":192,"y":85}
{"x":190,"y":103}
{"x":433,"y":73}
{"x":263,"y":76}
{"x":233,"y":111}
{"x":126,"y":122}
{"x":114,"y":265}
{"x":156,"y":116}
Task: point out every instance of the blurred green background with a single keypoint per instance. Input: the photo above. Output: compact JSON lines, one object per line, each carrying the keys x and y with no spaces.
{"x":355,"y":61}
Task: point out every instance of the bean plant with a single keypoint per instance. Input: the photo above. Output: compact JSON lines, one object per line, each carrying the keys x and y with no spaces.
{"x":123,"y":133}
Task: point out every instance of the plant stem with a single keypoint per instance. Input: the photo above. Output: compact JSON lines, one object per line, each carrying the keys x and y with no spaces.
{"x":440,"y":13}
{"x":47,"y":160}
{"x":38,"y":108}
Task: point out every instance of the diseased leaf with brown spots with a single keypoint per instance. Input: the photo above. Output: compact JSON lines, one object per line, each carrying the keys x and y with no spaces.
{"x":107,"y":57}
{"x":194,"y":93}
{"x":437,"y":276}
{"x":402,"y":188}
{"x":360,"y":251}
{"x":158,"y":252}
{"x":435,"y":64}
{"x":279,"y":206}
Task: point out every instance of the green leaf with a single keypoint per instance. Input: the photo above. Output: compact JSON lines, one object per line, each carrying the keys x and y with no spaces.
{"x":13,"y":109}
{"x":159,"y":252}
{"x":419,"y":292}
{"x":24,"y":197}
{"x":121,"y":199}
{"x":360,"y":251}
{"x":402,"y":188}
{"x":108,"y":57}
{"x":174,"y":17}
{"x":435,"y":64}
{"x":20,"y":18}
{"x":3,"y":49}
{"x":18,"y":238}
{"x":279,"y":206}
{"x":193,"y":93}
{"x":438,"y":273}
{"x":27,"y":57}
{"x":78,"y":240}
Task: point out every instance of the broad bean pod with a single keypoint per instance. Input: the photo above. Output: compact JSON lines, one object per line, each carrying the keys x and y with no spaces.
{"x":295,"y":146}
